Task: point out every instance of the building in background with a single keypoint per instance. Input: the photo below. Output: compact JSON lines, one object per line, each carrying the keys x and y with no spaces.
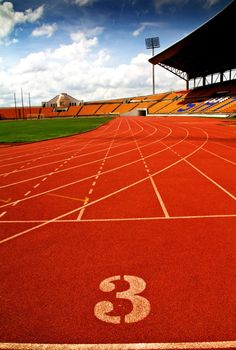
{"x":62,"y":102}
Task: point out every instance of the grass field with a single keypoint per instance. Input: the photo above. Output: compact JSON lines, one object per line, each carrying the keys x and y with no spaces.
{"x":38,"y":130}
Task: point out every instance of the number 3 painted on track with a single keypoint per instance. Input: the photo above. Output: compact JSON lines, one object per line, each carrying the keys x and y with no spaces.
{"x":141,"y":306}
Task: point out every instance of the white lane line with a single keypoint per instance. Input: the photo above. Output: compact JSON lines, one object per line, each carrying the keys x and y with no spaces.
{"x":88,"y":163}
{"x":45,"y":178}
{"x":105,"y":197}
{"x":99,"y":199}
{"x":81,"y":213}
{"x":222,"y":144}
{"x":162,"y":204}
{"x":217,"y":155}
{"x":37,"y":185}
{"x":97,"y":176}
{"x":211,"y":180}
{"x":62,"y":145}
{"x":158,"y":195}
{"x":152,"y":218}
{"x":204,"y":174}
{"x":157,"y":218}
{"x":51,"y":155}
{"x":2,"y":214}
{"x":208,"y":151}
{"x":27,"y":193}
{"x":91,"y":191}
{"x":108,"y":171}
{"x":125,"y":346}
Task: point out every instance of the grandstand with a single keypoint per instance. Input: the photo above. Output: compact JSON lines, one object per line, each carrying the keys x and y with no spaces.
{"x":197,"y":59}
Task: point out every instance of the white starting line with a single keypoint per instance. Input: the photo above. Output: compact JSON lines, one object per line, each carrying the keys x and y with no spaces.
{"x":131,"y":346}
{"x":214,"y":216}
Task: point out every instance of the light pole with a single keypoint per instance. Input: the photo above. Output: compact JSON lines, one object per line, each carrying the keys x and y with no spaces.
{"x":15,"y":105}
{"x":29,"y":103}
{"x":152,"y":43}
{"x":22,"y":102}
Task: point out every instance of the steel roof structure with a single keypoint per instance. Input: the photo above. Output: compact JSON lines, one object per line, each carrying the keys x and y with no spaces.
{"x":207,"y":50}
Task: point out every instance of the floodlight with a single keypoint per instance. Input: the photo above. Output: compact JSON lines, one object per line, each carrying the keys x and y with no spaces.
{"x":152,"y":43}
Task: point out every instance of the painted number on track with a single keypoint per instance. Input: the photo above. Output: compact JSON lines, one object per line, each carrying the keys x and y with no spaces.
{"x":141,"y":306}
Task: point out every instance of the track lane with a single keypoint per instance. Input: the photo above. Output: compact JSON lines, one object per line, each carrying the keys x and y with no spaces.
{"x":114,"y":192}
{"x":180,"y":257}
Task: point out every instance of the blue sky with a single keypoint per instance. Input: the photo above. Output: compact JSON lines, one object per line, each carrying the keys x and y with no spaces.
{"x":91,"y":49}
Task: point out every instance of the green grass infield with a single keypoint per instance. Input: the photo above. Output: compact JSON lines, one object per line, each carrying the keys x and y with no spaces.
{"x":44,"y":129}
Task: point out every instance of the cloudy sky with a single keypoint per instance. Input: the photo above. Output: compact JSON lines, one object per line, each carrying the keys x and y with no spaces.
{"x":90,"y":49}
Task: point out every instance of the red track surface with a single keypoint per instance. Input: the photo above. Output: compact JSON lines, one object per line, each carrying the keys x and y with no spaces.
{"x":152,"y":198}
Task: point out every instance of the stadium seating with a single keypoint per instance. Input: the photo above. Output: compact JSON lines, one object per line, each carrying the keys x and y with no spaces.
{"x":145,"y":104}
{"x":48,"y":112}
{"x":9,"y":113}
{"x":19,"y":112}
{"x":214,"y":99}
{"x":228,"y":106}
{"x":125,"y":108}
{"x":72,"y":111}
{"x":162,"y":103}
{"x":88,"y":109}
{"x":107,"y":108}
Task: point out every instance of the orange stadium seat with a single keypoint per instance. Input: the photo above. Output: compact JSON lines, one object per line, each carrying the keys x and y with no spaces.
{"x":9,"y":113}
{"x":48,"y":112}
{"x":107,"y":108}
{"x":125,"y":108}
{"x":89,"y":109}
{"x":167,"y":100}
{"x":72,"y":111}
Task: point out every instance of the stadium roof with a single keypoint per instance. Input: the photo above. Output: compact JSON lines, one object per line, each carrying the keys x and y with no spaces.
{"x":207,"y":50}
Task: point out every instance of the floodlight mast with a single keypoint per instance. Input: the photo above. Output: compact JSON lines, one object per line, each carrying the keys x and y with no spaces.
{"x":152,"y":43}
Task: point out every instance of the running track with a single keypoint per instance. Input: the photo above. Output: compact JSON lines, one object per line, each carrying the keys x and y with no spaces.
{"x":120,"y":238}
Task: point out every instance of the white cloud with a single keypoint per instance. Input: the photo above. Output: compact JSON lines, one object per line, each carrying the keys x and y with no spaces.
{"x":138,"y":31}
{"x":9,"y":18}
{"x":45,"y":30}
{"x":84,"y":2}
{"x":89,"y":33}
{"x":8,"y":42}
{"x":144,"y":25}
{"x":94,"y":31}
{"x":210,"y":3}
{"x":30,"y":15}
{"x":83,"y":71}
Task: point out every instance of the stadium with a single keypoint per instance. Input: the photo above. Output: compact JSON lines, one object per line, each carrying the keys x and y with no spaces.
{"x":117,"y":227}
